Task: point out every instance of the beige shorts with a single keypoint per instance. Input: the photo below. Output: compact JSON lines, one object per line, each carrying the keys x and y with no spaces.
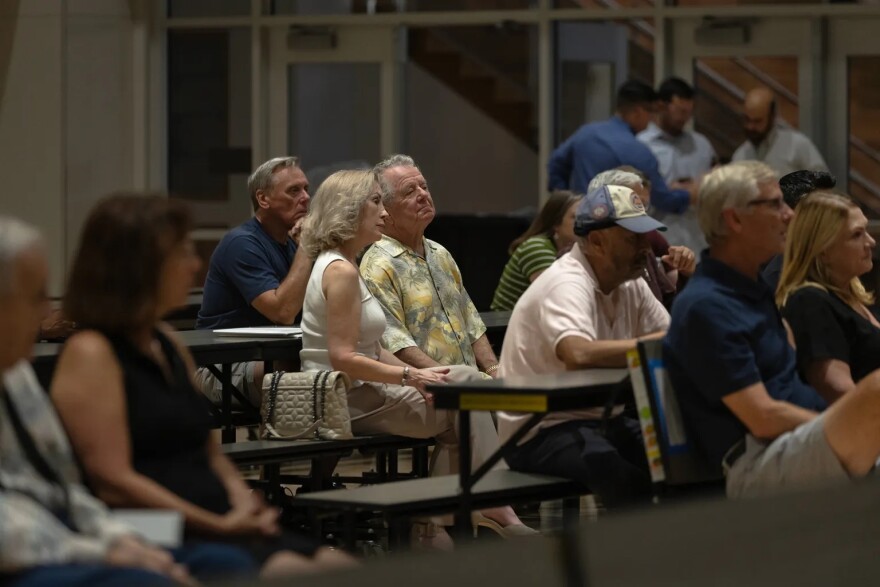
{"x":242,"y":379}
{"x":799,"y":459}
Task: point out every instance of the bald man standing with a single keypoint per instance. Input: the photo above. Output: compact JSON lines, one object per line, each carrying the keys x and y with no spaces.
{"x":781,"y":147}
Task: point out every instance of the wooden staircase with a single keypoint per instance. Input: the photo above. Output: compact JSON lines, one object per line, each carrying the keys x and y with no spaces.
{"x":488,"y":67}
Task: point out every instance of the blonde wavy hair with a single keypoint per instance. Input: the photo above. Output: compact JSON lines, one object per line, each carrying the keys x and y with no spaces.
{"x":334,"y":215}
{"x":818,"y":223}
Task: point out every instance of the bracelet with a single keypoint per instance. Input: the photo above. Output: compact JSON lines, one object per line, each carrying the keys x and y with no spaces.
{"x":405,"y":375}
{"x":491,"y":368}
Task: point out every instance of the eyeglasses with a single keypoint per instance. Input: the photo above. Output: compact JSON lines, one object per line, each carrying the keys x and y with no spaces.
{"x":774,"y":204}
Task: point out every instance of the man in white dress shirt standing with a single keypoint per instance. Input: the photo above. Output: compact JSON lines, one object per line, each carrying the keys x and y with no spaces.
{"x":684,"y":156}
{"x":781,"y":147}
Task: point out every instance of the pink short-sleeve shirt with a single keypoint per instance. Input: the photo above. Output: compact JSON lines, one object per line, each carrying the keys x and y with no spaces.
{"x":566,"y":301}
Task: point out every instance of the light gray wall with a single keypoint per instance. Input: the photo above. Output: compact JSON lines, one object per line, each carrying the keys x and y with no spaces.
{"x":32,"y":174}
{"x":65,"y":114}
{"x":472,"y":163}
{"x":333,"y":113}
{"x":98,"y":155}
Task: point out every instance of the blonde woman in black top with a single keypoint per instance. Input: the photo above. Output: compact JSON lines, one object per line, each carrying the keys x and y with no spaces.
{"x":835,"y":330}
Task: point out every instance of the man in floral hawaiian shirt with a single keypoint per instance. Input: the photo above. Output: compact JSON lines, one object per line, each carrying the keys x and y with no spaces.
{"x":431,"y":318}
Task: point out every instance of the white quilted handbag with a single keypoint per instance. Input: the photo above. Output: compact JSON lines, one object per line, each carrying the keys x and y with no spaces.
{"x":307,"y":404}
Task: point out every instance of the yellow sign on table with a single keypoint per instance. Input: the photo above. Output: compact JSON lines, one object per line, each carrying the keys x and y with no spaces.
{"x":503,"y":401}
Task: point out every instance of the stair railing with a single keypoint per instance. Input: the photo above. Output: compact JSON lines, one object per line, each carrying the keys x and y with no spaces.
{"x":471,"y":55}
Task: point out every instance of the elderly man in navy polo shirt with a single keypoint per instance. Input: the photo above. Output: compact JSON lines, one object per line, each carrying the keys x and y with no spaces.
{"x":256,"y":277}
{"x":731,"y":364}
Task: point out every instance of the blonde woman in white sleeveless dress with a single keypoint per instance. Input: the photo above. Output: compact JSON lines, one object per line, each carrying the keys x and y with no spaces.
{"x":342,"y":324}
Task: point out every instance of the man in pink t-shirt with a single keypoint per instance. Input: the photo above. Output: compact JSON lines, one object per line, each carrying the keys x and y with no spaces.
{"x":586,"y":311}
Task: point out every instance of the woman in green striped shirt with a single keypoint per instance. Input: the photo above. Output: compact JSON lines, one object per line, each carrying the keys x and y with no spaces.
{"x":550,"y":235}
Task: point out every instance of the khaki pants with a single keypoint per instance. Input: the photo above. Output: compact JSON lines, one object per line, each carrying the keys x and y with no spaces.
{"x":242,"y":379}
{"x":381,"y":408}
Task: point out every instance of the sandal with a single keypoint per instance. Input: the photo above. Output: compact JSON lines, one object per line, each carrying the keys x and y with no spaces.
{"x":428,"y":537}
{"x":506,"y":532}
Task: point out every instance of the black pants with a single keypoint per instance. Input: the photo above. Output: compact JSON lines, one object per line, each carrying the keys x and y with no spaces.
{"x":612,"y":466}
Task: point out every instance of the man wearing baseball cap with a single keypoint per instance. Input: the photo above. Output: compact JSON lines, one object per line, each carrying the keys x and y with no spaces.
{"x":586,"y":311}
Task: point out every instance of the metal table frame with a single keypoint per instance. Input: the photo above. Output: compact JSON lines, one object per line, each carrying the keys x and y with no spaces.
{"x":210,"y":350}
{"x":535,"y":394}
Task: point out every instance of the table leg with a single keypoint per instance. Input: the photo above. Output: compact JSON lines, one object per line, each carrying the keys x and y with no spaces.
{"x":502,"y":451}
{"x":463,"y":527}
{"x":397,"y":532}
{"x":349,"y":532}
{"x":382,"y":466}
{"x":228,"y":434}
{"x":274,"y":492}
{"x":420,"y":461}
{"x":393,"y":474}
{"x":573,"y":556}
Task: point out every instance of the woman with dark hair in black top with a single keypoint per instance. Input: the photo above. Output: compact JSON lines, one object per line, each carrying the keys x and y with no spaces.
{"x":123,"y":387}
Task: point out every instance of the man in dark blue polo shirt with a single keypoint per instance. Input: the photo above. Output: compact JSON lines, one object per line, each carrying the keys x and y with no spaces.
{"x":256,"y":277}
{"x":732,"y":367}
{"x":598,"y":146}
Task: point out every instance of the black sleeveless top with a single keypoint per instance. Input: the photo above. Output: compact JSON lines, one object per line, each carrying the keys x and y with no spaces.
{"x":169,"y":425}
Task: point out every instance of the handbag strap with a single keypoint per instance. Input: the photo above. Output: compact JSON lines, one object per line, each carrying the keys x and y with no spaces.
{"x":324,"y":375}
{"x":319,"y":388}
{"x":315,"y":402}
{"x":270,"y":412}
{"x":273,"y":393}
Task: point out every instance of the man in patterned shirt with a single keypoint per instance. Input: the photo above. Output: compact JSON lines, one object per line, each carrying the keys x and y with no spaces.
{"x":431,"y":318}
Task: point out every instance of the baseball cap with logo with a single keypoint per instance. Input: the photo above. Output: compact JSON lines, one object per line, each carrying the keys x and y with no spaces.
{"x":610,"y":205}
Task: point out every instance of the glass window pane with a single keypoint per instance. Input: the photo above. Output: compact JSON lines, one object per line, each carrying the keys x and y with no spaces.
{"x":209,"y":126}
{"x":377,"y":6}
{"x":722,"y":2}
{"x":318,"y":7}
{"x":593,"y":59}
{"x":209,"y":118}
{"x":721,"y":84}
{"x":610,"y":4}
{"x":333,"y":116}
{"x":464,"y":5}
{"x":200,"y":8}
{"x":864,"y":132}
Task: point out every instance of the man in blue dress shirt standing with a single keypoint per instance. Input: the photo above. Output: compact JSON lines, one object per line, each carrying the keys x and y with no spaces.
{"x":600,"y":146}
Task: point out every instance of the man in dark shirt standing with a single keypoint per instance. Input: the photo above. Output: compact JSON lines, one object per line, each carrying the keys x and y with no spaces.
{"x":256,"y":277}
{"x":732,"y":367}
{"x":607,"y":144}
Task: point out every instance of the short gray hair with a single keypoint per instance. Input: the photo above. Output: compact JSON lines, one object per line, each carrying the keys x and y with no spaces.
{"x":729,"y":186}
{"x":16,"y":237}
{"x":626,"y":179}
{"x":381,"y":167}
{"x":261,"y":178}
{"x":334,"y":217}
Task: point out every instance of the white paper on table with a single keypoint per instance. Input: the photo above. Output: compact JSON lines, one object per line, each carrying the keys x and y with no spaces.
{"x":161,"y":527}
{"x":280,"y":331}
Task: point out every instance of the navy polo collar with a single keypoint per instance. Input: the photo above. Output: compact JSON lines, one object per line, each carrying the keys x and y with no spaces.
{"x":728,"y":276}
